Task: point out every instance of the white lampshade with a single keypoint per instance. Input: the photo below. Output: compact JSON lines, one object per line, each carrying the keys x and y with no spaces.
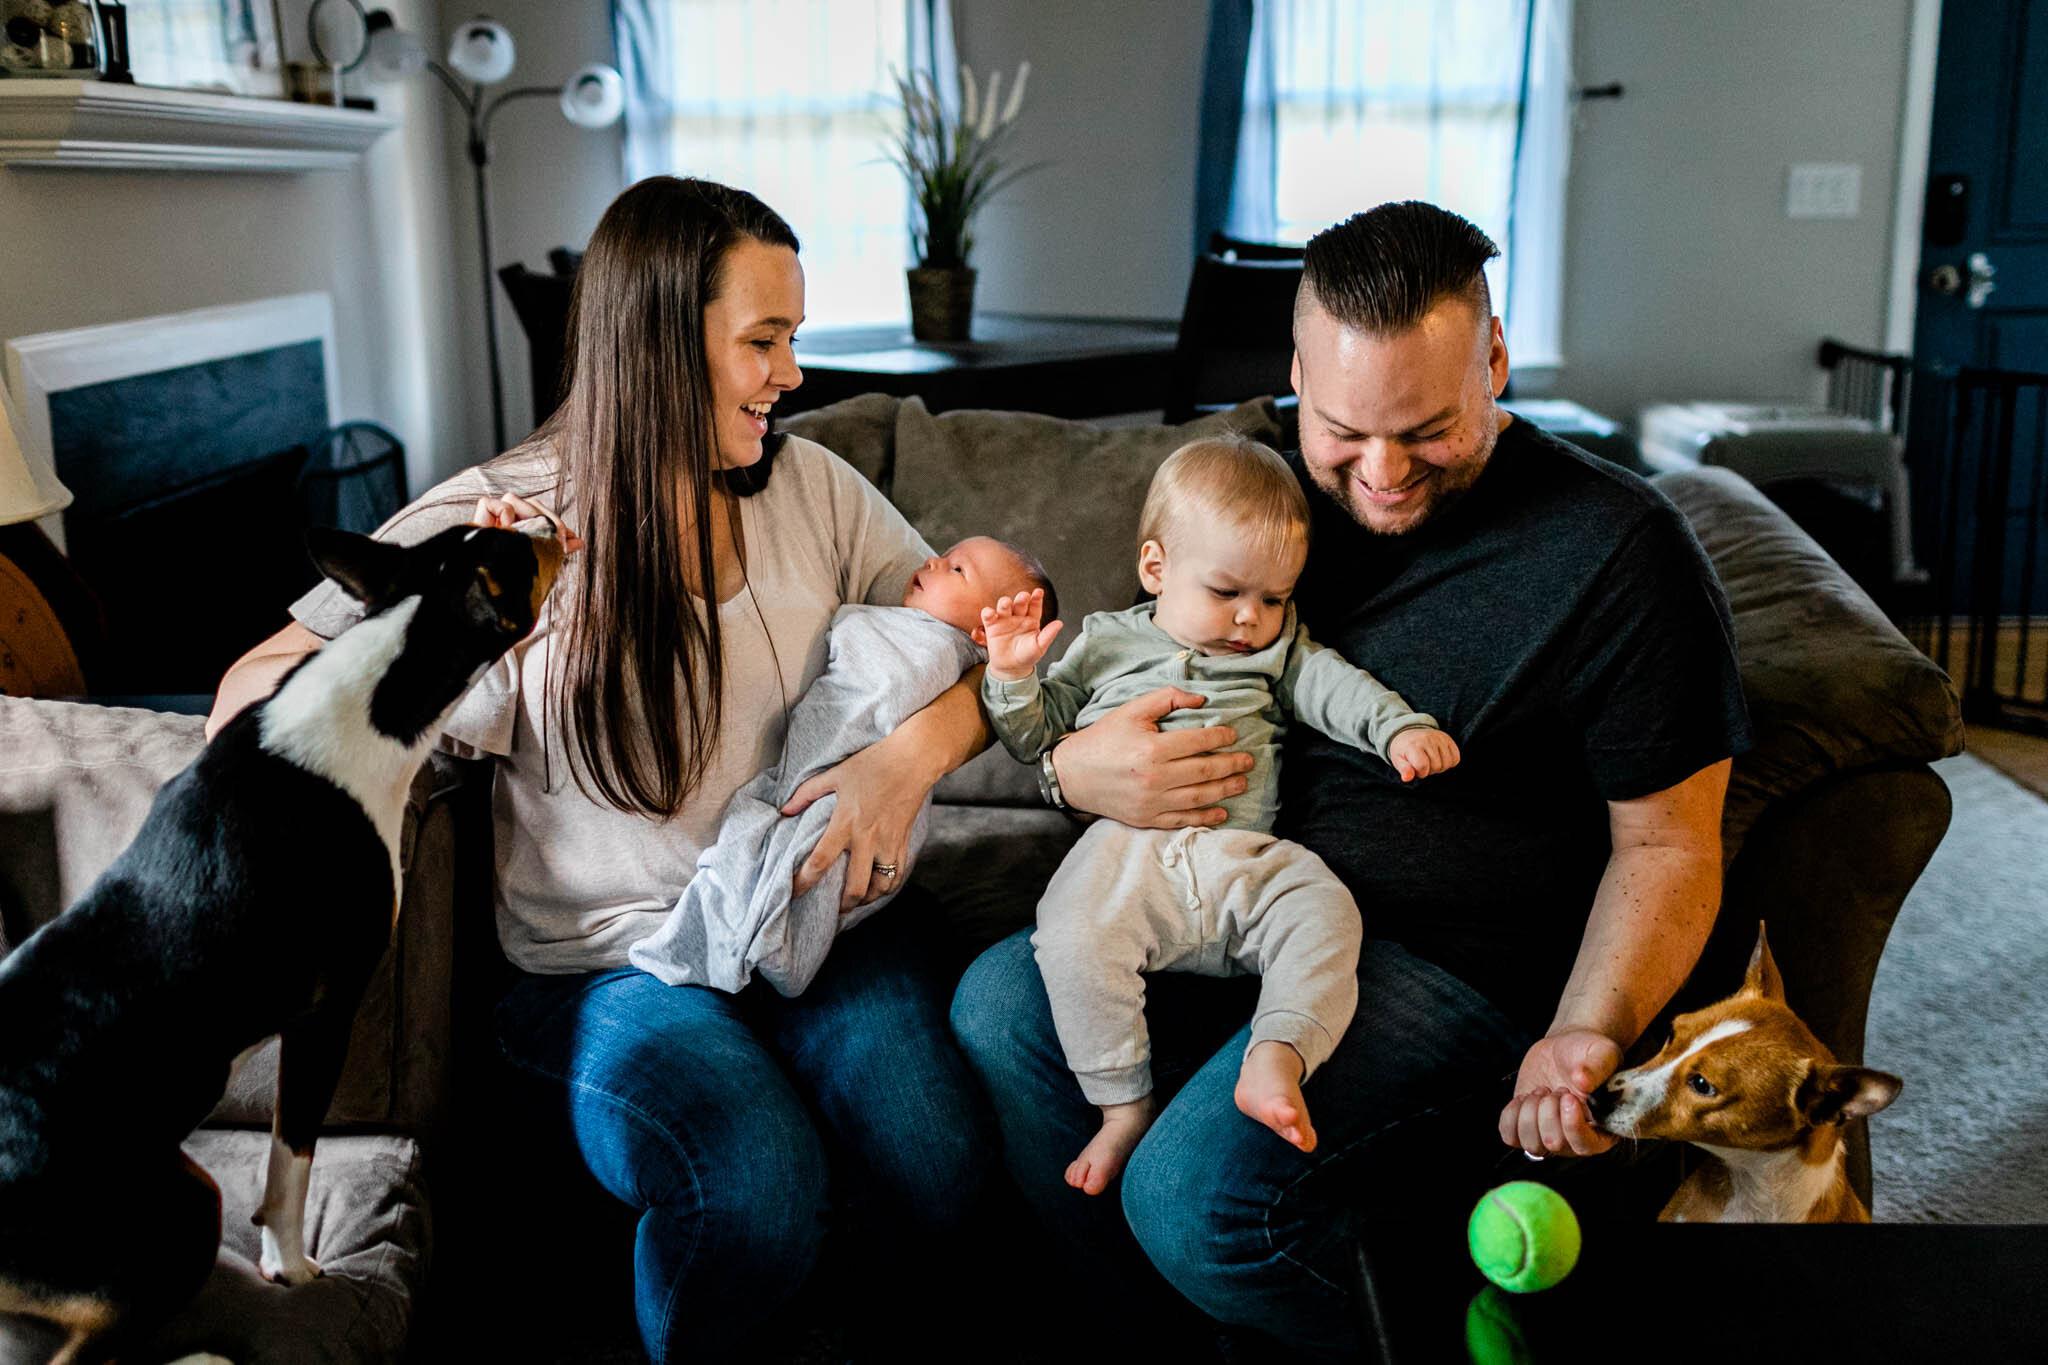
{"x":481,"y":51}
{"x":28,"y":487}
{"x":594,"y":97}
{"x":393,"y":54}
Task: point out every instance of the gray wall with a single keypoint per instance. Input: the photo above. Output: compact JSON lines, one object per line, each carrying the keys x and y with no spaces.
{"x":1684,"y":277}
{"x":1102,"y":229}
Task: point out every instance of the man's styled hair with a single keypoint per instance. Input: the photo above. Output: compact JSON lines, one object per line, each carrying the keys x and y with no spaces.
{"x":1228,"y":477}
{"x":1381,"y":271}
{"x":1037,"y":577}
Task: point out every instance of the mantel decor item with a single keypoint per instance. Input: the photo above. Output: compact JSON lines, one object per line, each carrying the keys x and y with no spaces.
{"x":480,"y":54}
{"x":954,"y":164}
{"x":50,"y":39}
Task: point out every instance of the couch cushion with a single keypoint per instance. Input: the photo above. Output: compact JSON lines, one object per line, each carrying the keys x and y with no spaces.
{"x":367,"y":1225}
{"x":860,"y":430}
{"x":986,"y":866}
{"x":1069,"y":492}
{"x":75,"y":784}
{"x":1831,"y":684}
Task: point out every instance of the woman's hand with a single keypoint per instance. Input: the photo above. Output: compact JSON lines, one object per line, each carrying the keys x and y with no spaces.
{"x":1123,"y":766}
{"x":879,"y":797}
{"x":511,"y":509}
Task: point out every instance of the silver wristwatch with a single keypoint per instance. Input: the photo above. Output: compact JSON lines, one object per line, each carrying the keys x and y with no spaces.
{"x":1049,"y":783}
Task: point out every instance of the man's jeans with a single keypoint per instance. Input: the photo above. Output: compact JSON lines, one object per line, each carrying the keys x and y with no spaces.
{"x":720,"y":1117}
{"x":1253,"y":1232}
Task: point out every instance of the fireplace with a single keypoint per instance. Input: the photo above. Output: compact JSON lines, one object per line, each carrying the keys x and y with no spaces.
{"x":182,"y":439}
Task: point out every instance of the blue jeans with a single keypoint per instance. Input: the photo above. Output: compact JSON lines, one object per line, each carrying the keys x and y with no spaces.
{"x":1251,"y":1231}
{"x":739,"y":1124}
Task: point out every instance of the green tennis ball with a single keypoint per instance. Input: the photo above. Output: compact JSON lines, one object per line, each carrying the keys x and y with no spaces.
{"x":1523,"y":1236}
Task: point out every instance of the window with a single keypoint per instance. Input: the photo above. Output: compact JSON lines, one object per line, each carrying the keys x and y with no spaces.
{"x":793,"y":100}
{"x":1348,"y":105}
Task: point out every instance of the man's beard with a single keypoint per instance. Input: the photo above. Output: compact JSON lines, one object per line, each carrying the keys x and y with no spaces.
{"x":1442,"y":494}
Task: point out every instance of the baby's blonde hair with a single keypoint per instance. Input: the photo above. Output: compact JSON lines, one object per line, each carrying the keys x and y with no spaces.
{"x":1232,"y":477}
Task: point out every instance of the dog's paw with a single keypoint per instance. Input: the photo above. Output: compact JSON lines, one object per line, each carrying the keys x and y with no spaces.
{"x":281,"y":1267}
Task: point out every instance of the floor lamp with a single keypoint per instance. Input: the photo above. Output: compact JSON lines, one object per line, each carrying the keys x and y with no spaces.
{"x":480,"y":55}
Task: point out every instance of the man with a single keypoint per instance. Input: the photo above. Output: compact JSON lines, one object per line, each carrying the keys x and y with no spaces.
{"x":1526,"y":915}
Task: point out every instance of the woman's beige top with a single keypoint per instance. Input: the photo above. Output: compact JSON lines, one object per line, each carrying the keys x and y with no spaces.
{"x":577,"y":880}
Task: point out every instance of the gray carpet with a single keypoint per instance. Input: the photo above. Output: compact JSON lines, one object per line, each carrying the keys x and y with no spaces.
{"x":1960,"y":1010}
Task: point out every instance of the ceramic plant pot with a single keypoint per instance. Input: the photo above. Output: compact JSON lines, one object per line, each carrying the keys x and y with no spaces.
{"x":941,"y":302}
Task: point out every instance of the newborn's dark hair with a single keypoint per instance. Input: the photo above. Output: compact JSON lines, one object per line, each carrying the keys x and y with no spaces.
{"x":1035,"y":572}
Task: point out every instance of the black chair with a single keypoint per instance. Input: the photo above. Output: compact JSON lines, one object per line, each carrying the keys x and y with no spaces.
{"x":541,"y":303}
{"x":1236,"y":335}
{"x":1244,"y":249}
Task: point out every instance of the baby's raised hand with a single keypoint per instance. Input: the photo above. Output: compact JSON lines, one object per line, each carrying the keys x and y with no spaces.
{"x":1421,"y":752}
{"x":1015,"y":640}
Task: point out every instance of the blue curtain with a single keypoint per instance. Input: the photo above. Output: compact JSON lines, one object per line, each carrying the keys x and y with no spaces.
{"x":1222,"y":114}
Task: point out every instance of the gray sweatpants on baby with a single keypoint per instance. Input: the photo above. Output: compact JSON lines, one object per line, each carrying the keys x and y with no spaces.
{"x":1218,"y":902}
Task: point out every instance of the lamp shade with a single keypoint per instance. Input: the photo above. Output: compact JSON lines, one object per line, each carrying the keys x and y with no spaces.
{"x":481,"y":51}
{"x":393,"y":54}
{"x":594,"y":97}
{"x":28,"y":487}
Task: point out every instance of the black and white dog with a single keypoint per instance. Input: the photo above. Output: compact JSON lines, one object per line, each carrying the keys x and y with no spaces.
{"x":257,"y":899}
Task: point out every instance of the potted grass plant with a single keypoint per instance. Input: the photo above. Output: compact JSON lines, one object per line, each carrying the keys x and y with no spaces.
{"x":954,"y":165}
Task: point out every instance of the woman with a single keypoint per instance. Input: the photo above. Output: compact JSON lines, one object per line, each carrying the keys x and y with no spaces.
{"x":655,"y":685}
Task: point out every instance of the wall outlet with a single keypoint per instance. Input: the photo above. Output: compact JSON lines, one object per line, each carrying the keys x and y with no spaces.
{"x":1823,"y":190}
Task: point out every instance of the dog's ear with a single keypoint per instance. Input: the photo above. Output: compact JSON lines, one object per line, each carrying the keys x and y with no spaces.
{"x":1836,"y":1094}
{"x":366,"y":569}
{"x":1762,"y":978}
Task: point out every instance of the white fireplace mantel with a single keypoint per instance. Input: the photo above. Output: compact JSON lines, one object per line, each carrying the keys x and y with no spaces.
{"x":96,"y":124}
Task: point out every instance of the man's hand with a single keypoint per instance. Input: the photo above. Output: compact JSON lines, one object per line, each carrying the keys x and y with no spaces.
{"x":1015,"y":640}
{"x":1123,"y":766}
{"x":1548,"y":1115}
{"x":1422,"y":751}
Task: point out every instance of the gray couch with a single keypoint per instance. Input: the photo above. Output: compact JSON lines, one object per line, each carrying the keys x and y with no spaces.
{"x":1830,"y":819}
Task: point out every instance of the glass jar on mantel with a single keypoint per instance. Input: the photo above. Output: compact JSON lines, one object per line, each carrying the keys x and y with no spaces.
{"x":50,"y":39}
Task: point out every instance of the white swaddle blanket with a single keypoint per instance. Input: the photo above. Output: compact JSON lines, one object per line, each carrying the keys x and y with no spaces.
{"x":737,"y":917}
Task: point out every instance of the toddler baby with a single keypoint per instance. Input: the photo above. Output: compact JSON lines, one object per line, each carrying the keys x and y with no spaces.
{"x":738,"y":915}
{"x":1224,"y":534}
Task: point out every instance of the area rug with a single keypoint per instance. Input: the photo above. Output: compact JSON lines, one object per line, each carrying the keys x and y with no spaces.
{"x":1960,"y":1010}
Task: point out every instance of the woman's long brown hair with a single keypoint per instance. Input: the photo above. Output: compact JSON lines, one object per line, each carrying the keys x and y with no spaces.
{"x":641,"y":677}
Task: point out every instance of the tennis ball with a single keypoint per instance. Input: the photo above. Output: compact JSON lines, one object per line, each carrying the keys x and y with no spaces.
{"x":1523,"y":1236}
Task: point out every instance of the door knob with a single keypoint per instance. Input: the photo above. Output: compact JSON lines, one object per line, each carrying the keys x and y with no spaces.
{"x":1951,"y":280}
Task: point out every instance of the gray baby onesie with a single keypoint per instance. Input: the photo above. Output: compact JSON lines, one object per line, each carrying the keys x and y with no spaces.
{"x":1212,"y":901}
{"x":737,"y":917}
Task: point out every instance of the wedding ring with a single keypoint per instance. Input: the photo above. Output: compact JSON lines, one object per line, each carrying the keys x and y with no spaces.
{"x":886,"y":869}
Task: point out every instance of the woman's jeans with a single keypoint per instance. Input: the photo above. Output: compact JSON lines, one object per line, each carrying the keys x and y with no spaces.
{"x":1253,"y":1232}
{"x":739,"y":1123}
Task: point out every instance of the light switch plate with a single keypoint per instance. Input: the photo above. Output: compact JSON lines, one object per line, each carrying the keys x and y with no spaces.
{"x":1823,"y":190}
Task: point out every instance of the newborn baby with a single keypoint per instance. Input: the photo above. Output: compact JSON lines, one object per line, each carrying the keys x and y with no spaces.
{"x":738,"y":915}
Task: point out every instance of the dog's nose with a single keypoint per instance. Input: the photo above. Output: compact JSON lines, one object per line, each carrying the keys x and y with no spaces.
{"x":1601,"y":1103}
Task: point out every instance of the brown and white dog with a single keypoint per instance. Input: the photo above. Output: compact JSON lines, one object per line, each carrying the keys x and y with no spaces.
{"x":1747,"y":1082}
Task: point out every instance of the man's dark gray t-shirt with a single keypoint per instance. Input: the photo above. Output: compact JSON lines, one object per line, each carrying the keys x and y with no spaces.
{"x":1564,"y":626}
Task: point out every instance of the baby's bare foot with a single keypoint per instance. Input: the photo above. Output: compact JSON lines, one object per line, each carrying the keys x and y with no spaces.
{"x":1269,"y":1090}
{"x":1102,"y":1160}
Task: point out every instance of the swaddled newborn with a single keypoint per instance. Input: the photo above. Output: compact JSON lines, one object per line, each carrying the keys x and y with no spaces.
{"x":738,"y":915}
